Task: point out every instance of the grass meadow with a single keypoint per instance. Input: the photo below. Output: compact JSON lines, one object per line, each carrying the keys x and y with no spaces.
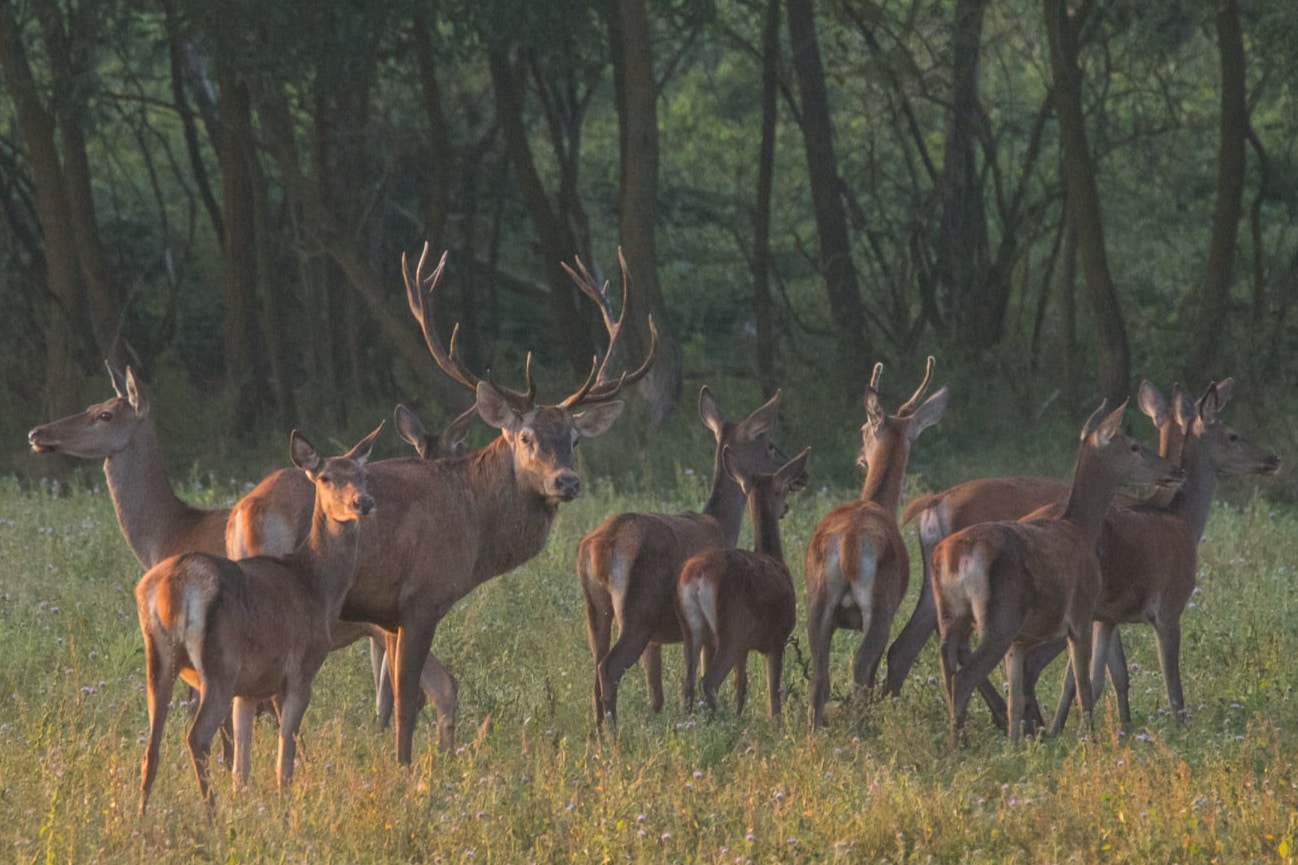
{"x":532,"y":782}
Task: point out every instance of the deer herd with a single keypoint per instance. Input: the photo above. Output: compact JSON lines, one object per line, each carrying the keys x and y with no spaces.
{"x":244,"y":604}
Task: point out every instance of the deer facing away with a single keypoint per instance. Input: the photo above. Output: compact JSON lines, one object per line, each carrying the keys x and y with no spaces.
{"x":628,"y":564}
{"x":732,"y":602}
{"x":251,"y":630}
{"x":857,"y":567}
{"x":1019,"y":584}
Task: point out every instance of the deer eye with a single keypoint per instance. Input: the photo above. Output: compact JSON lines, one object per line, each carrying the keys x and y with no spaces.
{"x":105,"y":416}
{"x":526,"y":438}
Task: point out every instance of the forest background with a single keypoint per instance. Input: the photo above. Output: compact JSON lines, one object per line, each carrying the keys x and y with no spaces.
{"x":1056,"y":199}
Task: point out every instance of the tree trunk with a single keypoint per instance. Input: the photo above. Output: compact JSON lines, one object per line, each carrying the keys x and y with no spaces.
{"x":637,"y":112}
{"x":1084,"y":201}
{"x":1214,"y":311}
{"x":437,"y":206}
{"x":975,"y":317}
{"x":763,"y":307}
{"x":64,"y":323}
{"x":847,"y":313}
{"x":556,"y":239}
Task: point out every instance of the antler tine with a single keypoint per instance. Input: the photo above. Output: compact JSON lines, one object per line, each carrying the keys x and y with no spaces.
{"x":521,"y":402}
{"x":420,"y":296}
{"x":913,"y":403}
{"x":597,"y":387}
{"x":874,"y":376}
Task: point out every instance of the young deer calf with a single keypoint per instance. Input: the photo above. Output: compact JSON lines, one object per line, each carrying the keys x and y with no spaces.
{"x":253,"y":629}
{"x":732,"y":602}
{"x":1023,"y":583}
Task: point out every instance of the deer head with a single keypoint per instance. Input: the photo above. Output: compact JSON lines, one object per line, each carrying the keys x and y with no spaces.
{"x":340,"y":481}
{"x":540,"y":436}
{"x":101,"y":430}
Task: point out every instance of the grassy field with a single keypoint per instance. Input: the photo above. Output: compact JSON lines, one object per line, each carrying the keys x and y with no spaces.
{"x":532,"y":782}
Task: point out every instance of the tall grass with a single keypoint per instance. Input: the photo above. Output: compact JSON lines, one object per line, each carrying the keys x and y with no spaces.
{"x":531,"y":781}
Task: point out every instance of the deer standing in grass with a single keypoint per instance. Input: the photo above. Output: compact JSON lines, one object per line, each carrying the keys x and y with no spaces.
{"x":450,"y":525}
{"x":733,"y":601}
{"x":1020,"y":584}
{"x":255,"y":629}
{"x":628,"y":564}
{"x":857,"y":567}
{"x":1149,"y":553}
{"x":274,"y":523}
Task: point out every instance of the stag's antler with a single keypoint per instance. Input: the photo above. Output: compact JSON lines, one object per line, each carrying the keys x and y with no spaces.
{"x":598,"y":387}
{"x":913,"y":403}
{"x":421,"y":295}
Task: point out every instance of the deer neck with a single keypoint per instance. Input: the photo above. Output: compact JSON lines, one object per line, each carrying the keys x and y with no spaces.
{"x":329,"y":556}
{"x":725,"y":503}
{"x":766,"y":527}
{"x":1192,"y":502}
{"x":1090,"y":495}
{"x":148,"y":510}
{"x":1171,"y":447}
{"x":515,"y":520}
{"x":883,"y":483}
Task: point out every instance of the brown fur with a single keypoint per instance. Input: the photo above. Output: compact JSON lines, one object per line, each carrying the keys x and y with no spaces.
{"x":857,"y":567}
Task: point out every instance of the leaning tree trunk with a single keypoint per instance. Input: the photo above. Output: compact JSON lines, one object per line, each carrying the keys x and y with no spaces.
{"x":64,"y":326}
{"x":841,"y":285}
{"x":1214,"y":311}
{"x":1084,"y":201}
{"x":637,"y":112}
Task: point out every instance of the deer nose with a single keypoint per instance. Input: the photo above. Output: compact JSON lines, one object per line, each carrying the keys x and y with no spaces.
{"x":1174,"y":478}
{"x":364,"y":505}
{"x":1271,"y":465}
{"x":567,"y":486}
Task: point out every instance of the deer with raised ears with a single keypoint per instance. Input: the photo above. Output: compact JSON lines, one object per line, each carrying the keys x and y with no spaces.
{"x":1020,"y":584}
{"x":1149,"y":553}
{"x":732,"y":602}
{"x":450,"y":525}
{"x":251,"y":630}
{"x":628,"y":564}
{"x":274,"y":518}
{"x":857,"y":568}
{"x":120,"y":431}
{"x":985,"y":500}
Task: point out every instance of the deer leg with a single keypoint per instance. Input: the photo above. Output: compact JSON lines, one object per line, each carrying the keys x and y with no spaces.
{"x":651,"y":659}
{"x":1015,"y":662}
{"x":691,"y":649}
{"x":161,"y":678}
{"x":383,"y":687}
{"x":1079,"y":651}
{"x":722,"y":661}
{"x":599,"y":631}
{"x":213,"y":708}
{"x":1066,"y":696}
{"x":1169,"y":658}
{"x":1038,"y":658}
{"x":865,"y":664}
{"x":293,"y":703}
{"x":991,"y":650}
{"x":919,"y":627}
{"x":741,"y":682}
{"x":630,"y":645}
{"x":774,"y":673}
{"x":1120,"y":675}
{"x":412,"y":653}
{"x":244,"y":715}
{"x":820,"y":630}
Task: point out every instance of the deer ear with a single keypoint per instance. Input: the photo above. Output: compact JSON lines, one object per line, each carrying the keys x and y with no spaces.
{"x":135,"y":395}
{"x":1110,"y":426}
{"x":303,"y":453}
{"x":710,"y":413}
{"x":1153,"y":403}
{"x":495,"y":410}
{"x":762,"y":418}
{"x":792,"y":476}
{"x":411,"y":431}
{"x":1093,"y":422}
{"x":730,"y":465}
{"x":1213,"y":399}
{"x":118,"y":380}
{"x":597,"y":418}
{"x":453,"y":436}
{"x":927,"y":414}
{"x":360,"y":452}
{"x":1225,"y":389}
{"x":1184,"y":408}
